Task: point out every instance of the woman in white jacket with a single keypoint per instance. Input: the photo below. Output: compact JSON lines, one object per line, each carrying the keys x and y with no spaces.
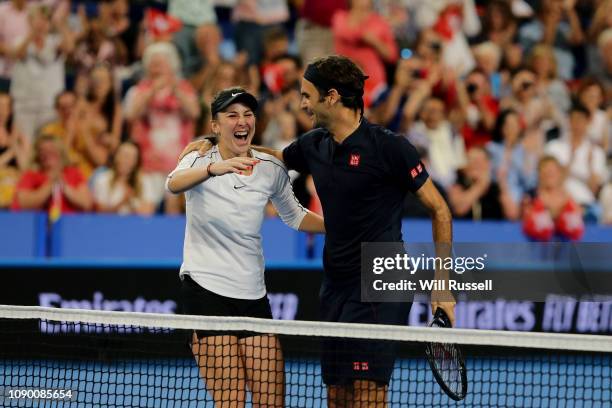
{"x":223,"y":269}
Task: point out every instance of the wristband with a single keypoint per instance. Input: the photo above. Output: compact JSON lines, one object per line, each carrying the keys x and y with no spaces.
{"x":208,"y":170}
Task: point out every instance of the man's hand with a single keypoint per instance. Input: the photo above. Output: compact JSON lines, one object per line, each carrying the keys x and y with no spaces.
{"x":202,"y":146}
{"x":444,"y":300}
{"x":276,"y":153}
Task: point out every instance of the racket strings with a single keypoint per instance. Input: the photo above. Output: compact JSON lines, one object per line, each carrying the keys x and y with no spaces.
{"x":447,"y":361}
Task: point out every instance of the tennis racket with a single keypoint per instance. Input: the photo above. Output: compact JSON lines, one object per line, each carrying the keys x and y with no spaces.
{"x":446,"y":362}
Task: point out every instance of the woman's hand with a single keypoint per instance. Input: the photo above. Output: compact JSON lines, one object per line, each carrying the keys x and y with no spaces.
{"x":238,"y":165}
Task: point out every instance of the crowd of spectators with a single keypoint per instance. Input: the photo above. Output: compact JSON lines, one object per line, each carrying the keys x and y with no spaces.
{"x":507,"y":101}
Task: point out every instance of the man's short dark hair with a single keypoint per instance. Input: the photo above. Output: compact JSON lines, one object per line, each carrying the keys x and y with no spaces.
{"x":346,"y":75}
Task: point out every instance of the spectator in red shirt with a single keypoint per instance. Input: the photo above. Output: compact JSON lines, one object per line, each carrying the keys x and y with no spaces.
{"x":162,"y":109}
{"x":365,"y":37}
{"x":479,"y":109}
{"x":552,"y":211}
{"x":313,"y":31}
{"x":51,"y":182}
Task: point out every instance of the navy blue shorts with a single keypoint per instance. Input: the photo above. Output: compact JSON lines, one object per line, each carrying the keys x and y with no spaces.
{"x":343,"y":361}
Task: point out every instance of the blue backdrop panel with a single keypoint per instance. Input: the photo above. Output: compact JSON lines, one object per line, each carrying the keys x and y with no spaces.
{"x":112,"y":236}
{"x":157,"y":238}
{"x":280,"y":243}
{"x":22,"y":235}
{"x":463,"y":231}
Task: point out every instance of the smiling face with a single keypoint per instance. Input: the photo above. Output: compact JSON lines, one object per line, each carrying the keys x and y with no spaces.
{"x":314,"y":105}
{"x":235,"y":127}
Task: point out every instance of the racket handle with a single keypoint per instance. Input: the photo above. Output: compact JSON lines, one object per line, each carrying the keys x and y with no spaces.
{"x":441,"y":314}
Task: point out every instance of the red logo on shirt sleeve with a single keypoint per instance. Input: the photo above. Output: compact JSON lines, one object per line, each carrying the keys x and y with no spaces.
{"x":354,"y":160}
{"x":416,"y":171}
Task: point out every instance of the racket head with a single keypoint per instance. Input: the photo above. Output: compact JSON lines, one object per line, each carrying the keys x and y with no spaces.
{"x":446,"y":362}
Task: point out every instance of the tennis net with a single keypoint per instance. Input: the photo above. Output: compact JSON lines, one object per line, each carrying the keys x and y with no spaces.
{"x":74,"y":358}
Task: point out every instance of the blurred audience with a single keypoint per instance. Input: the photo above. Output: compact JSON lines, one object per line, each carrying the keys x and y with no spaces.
{"x":454,"y":21}
{"x":313,"y":30}
{"x":557,"y":24}
{"x":511,"y":163}
{"x":162,"y":109}
{"x":475,"y":195}
{"x":83,"y":133}
{"x":498,"y":24}
{"x":603,"y":69}
{"x":584,"y":161}
{"x":51,"y":184}
{"x":591,"y":95}
{"x":122,"y":188}
{"x":122,"y":86}
{"x":39,"y":72}
{"x":14,"y":27}
{"x":100,"y":40}
{"x":552,"y":211}
{"x":479,"y":108}
{"x":606,"y":204}
{"x":537,"y":111}
{"x":14,"y":151}
{"x":365,"y":37}
{"x":198,"y":39}
{"x":543,"y":62}
{"x":443,"y":148}
{"x":103,"y":104}
{"x":252,"y":18}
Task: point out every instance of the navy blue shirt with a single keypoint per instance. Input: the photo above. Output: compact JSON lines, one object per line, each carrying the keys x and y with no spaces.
{"x":362,"y":183}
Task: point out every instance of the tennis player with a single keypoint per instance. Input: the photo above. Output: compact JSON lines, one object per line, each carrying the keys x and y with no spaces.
{"x":223,"y":267}
{"x":361,"y":172}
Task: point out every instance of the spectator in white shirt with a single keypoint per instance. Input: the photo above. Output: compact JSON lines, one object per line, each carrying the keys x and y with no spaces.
{"x":123,"y":189}
{"x":591,"y":94}
{"x":39,"y":74}
{"x":585,"y":161}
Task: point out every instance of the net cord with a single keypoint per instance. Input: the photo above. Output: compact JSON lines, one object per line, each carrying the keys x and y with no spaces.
{"x":548,"y":341}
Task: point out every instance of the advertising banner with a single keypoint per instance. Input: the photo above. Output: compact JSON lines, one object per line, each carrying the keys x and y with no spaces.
{"x":293,"y":295}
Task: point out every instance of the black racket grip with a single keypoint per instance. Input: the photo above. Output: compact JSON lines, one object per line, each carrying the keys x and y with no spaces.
{"x":441,"y":315}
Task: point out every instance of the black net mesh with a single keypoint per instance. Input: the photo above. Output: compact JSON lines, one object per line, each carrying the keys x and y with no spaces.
{"x":53,"y":364}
